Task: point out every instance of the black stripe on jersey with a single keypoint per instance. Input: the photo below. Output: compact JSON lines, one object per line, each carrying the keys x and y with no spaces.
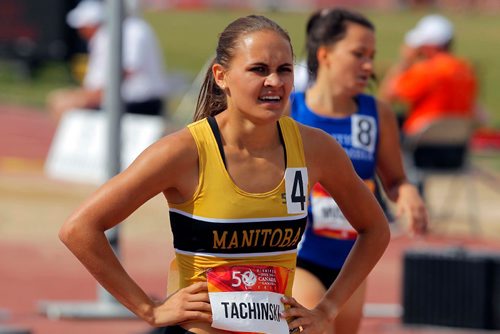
{"x":192,"y":235}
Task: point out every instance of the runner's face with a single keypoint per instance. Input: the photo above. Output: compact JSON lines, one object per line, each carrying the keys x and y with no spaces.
{"x":350,"y":60}
{"x":260,"y":75}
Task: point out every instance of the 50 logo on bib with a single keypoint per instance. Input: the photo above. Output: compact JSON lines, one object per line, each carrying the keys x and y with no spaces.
{"x":247,"y":278}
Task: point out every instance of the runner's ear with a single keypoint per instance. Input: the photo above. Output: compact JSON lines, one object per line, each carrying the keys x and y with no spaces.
{"x":219,"y":73}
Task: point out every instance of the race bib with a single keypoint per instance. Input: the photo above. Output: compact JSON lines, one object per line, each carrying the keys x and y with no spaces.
{"x":328,"y":219}
{"x":364,"y":132}
{"x":296,"y":183}
{"x":247,"y":298}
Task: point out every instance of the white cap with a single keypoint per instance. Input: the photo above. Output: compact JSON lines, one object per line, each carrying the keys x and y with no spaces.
{"x":86,"y":13}
{"x":430,"y":30}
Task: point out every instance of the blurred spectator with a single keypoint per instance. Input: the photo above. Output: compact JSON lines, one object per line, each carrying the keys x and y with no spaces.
{"x":428,"y":78}
{"x":144,"y":84}
{"x":432,"y":84}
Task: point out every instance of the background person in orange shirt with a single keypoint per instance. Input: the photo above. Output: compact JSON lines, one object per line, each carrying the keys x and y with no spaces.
{"x":428,"y":78}
{"x":432,"y":83}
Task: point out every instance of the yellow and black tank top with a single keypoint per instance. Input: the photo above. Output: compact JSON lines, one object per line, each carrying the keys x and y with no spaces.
{"x":224,"y":225}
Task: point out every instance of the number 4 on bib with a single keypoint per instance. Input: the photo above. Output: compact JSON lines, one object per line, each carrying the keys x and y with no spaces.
{"x":296,"y":189}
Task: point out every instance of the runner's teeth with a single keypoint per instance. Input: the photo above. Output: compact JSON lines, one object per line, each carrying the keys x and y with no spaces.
{"x":270,"y":98}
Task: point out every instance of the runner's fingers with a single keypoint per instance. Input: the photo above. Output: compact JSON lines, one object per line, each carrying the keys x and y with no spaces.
{"x":296,"y":315}
{"x":299,"y":322}
{"x":419,"y":221}
{"x":199,"y":297}
{"x":418,"y":213}
{"x":293,"y":312}
{"x":290,"y":301}
{"x":197,"y":287}
{"x":182,"y":298}
{"x":191,"y":316}
{"x":198,"y":306}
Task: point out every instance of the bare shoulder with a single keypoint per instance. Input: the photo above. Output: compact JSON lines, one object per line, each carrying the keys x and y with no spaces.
{"x":385,"y":112}
{"x":177,"y":142}
{"x":321,"y":150}
{"x":315,"y":140}
{"x":166,"y":165}
{"x":387,"y":122}
{"x":384,"y":109}
{"x":327,"y":162}
{"x":175,"y":149}
{"x":169,"y":159}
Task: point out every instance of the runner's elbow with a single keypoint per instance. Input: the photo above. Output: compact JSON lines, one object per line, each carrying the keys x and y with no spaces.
{"x":384,"y":234}
{"x":69,"y":233}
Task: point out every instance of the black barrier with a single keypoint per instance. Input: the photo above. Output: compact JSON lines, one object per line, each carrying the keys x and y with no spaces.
{"x":452,"y":287}
{"x":32,"y":32}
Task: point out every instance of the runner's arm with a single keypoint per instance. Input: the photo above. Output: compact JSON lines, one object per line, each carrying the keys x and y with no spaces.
{"x":160,"y":168}
{"x":328,"y":164}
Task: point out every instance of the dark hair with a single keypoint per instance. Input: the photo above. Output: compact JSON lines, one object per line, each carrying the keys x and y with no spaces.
{"x":212,"y":99}
{"x":326,"y":27}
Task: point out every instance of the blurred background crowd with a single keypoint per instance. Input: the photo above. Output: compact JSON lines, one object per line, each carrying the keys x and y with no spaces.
{"x":40,"y":51}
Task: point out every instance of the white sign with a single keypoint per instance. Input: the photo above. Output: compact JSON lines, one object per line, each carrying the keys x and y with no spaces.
{"x":78,"y":150}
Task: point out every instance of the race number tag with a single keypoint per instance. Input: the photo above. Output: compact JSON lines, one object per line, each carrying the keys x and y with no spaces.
{"x":329,"y":220}
{"x":364,"y":132}
{"x":296,"y":189}
{"x":248,"y":298}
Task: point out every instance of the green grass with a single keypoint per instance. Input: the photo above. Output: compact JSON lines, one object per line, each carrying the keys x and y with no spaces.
{"x":17,"y":88}
{"x":187,"y":46}
{"x":188,"y":39}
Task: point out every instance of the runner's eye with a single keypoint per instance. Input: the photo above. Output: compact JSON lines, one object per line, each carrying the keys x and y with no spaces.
{"x":285,"y":69}
{"x":259,"y":69}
